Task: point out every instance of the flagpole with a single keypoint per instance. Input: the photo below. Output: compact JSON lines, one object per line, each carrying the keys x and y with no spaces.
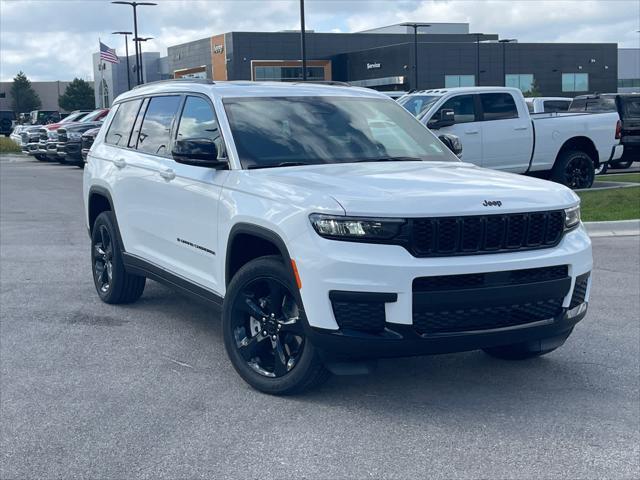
{"x":100,"y":67}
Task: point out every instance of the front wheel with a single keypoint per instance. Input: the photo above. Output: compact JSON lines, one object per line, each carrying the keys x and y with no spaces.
{"x":263,"y":327}
{"x":575,"y":169}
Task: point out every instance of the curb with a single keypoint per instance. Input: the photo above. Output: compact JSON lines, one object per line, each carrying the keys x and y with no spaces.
{"x":620,"y":228}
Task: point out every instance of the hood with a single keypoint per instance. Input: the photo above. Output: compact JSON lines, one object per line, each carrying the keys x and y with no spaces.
{"x":81,"y":127}
{"x":417,"y":189}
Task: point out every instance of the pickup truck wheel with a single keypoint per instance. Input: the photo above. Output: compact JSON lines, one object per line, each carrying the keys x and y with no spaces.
{"x":41,"y":158}
{"x":113,"y":283}
{"x":575,"y":169}
{"x":264,"y":331}
{"x":523,"y":351}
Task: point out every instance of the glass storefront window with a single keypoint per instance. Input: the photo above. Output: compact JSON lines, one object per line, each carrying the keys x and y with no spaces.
{"x":452,"y":81}
{"x":523,"y":81}
{"x":575,"y":82}
{"x":286,"y":74}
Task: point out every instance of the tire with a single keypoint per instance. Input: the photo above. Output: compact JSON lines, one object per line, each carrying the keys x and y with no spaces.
{"x":40,"y":158}
{"x":523,"y":351}
{"x":106,"y":256}
{"x":624,"y":164}
{"x":574,"y":169}
{"x":264,"y":330}
{"x":602,"y":169}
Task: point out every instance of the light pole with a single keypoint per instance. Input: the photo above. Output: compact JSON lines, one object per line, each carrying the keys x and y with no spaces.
{"x":415,"y":27}
{"x":303,"y":45}
{"x":135,"y":5}
{"x":138,"y":43}
{"x":478,"y":35}
{"x":504,"y":59}
{"x":126,"y":50}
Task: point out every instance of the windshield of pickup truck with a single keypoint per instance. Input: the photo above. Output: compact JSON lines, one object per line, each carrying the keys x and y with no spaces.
{"x":418,"y":104}
{"x":290,"y":131}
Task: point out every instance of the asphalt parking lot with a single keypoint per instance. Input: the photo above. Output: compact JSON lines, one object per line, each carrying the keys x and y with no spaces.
{"x":146,"y":391}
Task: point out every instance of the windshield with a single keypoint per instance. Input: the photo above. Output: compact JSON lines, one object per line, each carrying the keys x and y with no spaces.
{"x":287,"y":131}
{"x":73,"y":117}
{"x":631,"y":107}
{"x":92,"y":116}
{"x":418,"y":104}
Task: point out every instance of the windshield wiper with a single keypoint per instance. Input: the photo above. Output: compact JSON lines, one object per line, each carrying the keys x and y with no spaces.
{"x":281,"y":164}
{"x":391,"y":159}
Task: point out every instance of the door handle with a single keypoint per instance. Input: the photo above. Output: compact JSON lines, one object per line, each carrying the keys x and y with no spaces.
{"x":167,"y":174}
{"x":120,"y":162}
{"x":521,"y":128}
{"x":471,"y":132}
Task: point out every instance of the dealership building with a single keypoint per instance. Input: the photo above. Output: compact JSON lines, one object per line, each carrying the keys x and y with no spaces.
{"x":383,"y":58}
{"x":449,"y":55}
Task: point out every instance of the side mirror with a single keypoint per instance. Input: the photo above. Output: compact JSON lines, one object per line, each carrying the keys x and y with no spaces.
{"x":199,"y":152}
{"x":453,"y":143}
{"x":446,"y":118}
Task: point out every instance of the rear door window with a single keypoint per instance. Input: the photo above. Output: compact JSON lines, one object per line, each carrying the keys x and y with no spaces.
{"x":498,"y":106}
{"x":122,"y":123}
{"x":155,"y":132}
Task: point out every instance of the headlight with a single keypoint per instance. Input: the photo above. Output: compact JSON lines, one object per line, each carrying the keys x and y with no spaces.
{"x":76,"y":136}
{"x":355,"y":228}
{"x":571,"y":217}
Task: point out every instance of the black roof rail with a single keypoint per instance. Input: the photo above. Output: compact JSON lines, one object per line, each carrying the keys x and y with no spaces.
{"x":204,"y":81}
{"x":325,"y":82}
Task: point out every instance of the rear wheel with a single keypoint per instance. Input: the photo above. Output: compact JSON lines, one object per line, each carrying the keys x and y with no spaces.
{"x":264,"y":330}
{"x":575,"y":169}
{"x":523,"y":351}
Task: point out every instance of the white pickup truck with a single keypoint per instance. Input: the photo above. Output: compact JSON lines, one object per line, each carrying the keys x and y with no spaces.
{"x":497,"y":132}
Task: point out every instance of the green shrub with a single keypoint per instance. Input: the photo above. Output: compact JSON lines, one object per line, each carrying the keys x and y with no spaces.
{"x":8,"y":146}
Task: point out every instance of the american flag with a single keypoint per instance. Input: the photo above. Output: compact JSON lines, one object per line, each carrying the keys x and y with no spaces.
{"x":108,"y":54}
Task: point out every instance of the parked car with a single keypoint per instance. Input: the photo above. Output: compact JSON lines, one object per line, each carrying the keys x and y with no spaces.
{"x":548,"y":104}
{"x":70,"y":142}
{"x":44,"y":117}
{"x":88,"y":138}
{"x":627,"y":105}
{"x":30,"y":136}
{"x":16,"y":135}
{"x":7,"y":120}
{"x":330,"y":226}
{"x":48,"y":141}
{"x":497,"y":132}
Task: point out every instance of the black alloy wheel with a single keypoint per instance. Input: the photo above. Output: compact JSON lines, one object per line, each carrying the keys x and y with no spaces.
{"x":102,"y":260}
{"x":267,"y":328}
{"x":579,"y":172}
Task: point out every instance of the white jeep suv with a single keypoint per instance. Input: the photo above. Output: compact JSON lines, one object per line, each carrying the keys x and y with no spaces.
{"x":332,"y":228}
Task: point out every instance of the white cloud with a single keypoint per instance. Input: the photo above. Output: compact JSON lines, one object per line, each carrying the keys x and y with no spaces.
{"x":54,"y":39}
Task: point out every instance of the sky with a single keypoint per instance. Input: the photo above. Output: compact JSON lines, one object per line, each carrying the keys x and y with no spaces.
{"x":54,"y":39}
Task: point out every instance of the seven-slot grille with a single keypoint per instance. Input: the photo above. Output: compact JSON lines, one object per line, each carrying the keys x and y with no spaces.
{"x":62,"y":135}
{"x":485,"y":233}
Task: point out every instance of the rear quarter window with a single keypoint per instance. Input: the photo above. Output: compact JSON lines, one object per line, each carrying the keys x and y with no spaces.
{"x":122,"y":123}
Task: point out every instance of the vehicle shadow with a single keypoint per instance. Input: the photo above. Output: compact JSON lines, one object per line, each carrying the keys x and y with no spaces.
{"x":459,"y":382}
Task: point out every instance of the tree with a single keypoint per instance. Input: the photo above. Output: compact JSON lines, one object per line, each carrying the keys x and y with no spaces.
{"x":23,"y":97}
{"x":79,"y":95}
{"x":534,"y":92}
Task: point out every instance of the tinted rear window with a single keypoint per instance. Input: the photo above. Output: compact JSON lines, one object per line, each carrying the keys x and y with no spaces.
{"x":556,"y":106}
{"x":122,"y":123}
{"x":498,"y":106}
{"x":631,"y":107}
{"x":155,"y":132}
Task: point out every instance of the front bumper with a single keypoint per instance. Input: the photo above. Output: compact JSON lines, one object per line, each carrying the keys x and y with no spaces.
{"x":327,"y":267}
{"x":404,"y":341}
{"x":70,"y":150}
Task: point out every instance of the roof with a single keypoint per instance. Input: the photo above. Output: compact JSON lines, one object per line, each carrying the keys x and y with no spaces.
{"x":249,"y":89}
